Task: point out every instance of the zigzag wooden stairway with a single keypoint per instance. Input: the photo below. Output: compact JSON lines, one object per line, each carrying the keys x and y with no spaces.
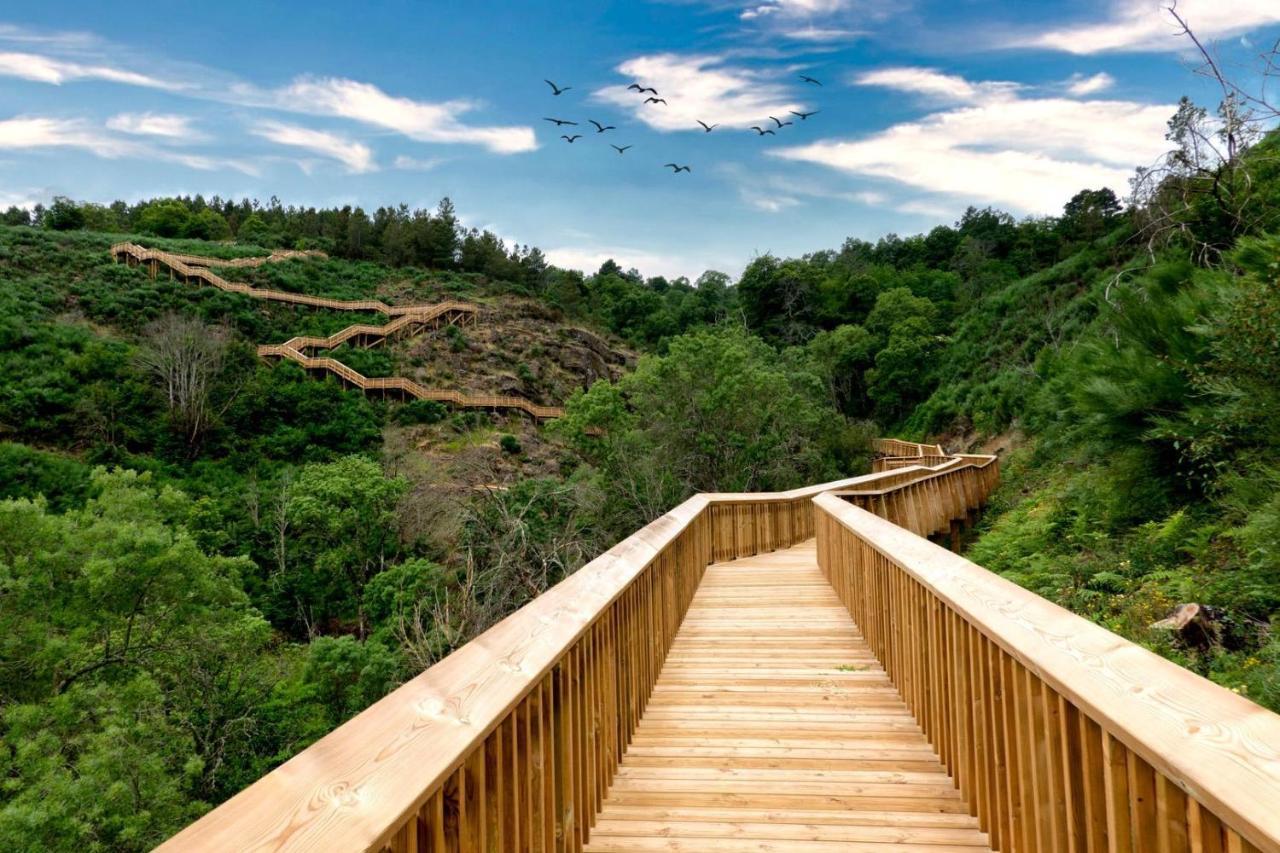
{"x":720,"y":681}
{"x":408,"y":320}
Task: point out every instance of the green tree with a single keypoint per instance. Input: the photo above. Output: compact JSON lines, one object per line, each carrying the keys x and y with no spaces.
{"x":843,"y":356}
{"x":168,"y":218}
{"x":722,"y":411}
{"x":255,"y":231}
{"x":343,"y":530}
{"x":207,"y":224}
{"x":105,"y":613}
{"x":63,"y":215}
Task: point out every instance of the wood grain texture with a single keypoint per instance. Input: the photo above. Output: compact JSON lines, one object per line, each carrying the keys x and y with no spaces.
{"x":1173,"y":752}
{"x":772,"y":727}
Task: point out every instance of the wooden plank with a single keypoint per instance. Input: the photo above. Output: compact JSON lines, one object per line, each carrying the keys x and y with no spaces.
{"x":772,"y":727}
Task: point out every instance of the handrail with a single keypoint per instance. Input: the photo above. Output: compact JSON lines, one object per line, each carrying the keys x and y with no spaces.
{"x":538,"y":708}
{"x":185,"y":266}
{"x":451,"y":310}
{"x":898,"y":447}
{"x":888,"y":463}
{"x":1061,"y":735}
{"x":276,"y":256}
{"x":406,"y":318}
{"x":409,"y":387}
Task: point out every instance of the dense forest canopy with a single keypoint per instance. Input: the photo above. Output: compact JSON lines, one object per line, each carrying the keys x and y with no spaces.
{"x":199,"y":581}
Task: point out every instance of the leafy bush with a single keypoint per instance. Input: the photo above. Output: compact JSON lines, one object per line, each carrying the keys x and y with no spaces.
{"x":419,"y":412}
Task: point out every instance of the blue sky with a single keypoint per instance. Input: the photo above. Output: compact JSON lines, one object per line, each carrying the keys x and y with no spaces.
{"x":925,"y":107}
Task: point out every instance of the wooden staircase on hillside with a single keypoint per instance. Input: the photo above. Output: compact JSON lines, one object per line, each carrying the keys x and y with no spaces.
{"x":408,"y":320}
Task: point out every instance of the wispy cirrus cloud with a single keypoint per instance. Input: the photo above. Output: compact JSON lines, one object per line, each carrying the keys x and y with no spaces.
{"x":698,"y":88}
{"x":417,"y":164}
{"x":994,"y":144}
{"x":1146,"y":25}
{"x":935,"y":84}
{"x":44,"y":133}
{"x":356,"y":156}
{"x":423,"y":121}
{"x":67,"y":58}
{"x":1080,"y":85}
{"x":162,"y":125}
{"x":818,"y":21}
{"x":772,"y":192}
{"x":47,"y":69}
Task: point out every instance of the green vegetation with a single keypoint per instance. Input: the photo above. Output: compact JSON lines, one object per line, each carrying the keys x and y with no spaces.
{"x":206,"y":562}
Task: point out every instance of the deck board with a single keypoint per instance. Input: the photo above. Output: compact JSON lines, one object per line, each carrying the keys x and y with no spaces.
{"x":773,"y":728}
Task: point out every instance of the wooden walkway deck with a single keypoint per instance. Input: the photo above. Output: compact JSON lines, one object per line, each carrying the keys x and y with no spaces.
{"x":772,"y":727}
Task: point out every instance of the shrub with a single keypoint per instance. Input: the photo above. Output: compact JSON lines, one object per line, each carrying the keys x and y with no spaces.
{"x":510,"y":444}
{"x":419,"y":412}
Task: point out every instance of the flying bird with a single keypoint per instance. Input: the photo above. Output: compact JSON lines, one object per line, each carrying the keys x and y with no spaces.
{"x":781,"y":124}
{"x":619,"y":148}
{"x":557,"y":90}
{"x":810,"y":80}
{"x":655,"y":100}
{"x":642,"y":89}
{"x":601,"y":128}
{"x":560,"y":121}
{"x":677,"y":169}
{"x":803,"y":116}
{"x":707,"y":127}
{"x":570,"y":139}
{"x":762,"y":131}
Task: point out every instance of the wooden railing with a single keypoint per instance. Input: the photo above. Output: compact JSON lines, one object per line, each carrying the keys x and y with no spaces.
{"x":511,"y":741}
{"x":431,"y":315}
{"x":409,"y":388}
{"x":407,"y":318}
{"x":252,"y":261}
{"x":897,"y":447}
{"x":929,"y":500}
{"x":192,"y":269}
{"x":1060,"y":735}
{"x":889,"y":463}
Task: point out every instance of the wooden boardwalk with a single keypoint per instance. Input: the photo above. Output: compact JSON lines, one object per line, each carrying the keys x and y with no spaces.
{"x":773,"y":727}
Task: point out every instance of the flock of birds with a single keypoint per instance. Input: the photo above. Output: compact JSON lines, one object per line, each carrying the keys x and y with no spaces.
{"x":655,"y":99}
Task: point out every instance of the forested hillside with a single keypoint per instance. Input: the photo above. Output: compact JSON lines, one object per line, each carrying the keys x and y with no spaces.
{"x":201,"y":578}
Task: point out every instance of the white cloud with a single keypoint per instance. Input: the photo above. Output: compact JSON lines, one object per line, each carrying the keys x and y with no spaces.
{"x":356,"y":156}
{"x":329,"y":96}
{"x":698,"y":88}
{"x":933,"y":83}
{"x":773,"y":192}
{"x":588,"y":259}
{"x":1079,"y":85}
{"x":37,"y":132}
{"x":1145,"y":25}
{"x":165,"y":126}
{"x":931,"y":210}
{"x":45,"y":69}
{"x":415,"y":164}
{"x":25,"y":199}
{"x":420,"y":120}
{"x":1027,"y":154}
{"x":822,"y":34}
{"x":795,"y":8}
